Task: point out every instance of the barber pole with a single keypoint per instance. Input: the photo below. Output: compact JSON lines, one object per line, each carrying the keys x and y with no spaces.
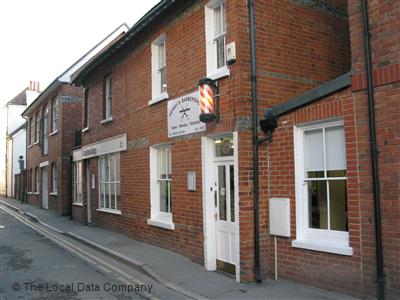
{"x":207,"y":107}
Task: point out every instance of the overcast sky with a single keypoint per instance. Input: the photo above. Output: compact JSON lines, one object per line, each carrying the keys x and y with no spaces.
{"x":41,"y":38}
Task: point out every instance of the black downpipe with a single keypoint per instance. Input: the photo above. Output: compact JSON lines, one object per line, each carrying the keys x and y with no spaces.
{"x":374,"y":155}
{"x":71,"y":185}
{"x":255,"y":142}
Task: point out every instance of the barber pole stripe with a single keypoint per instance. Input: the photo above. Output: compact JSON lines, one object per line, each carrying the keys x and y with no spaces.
{"x":206,"y":99}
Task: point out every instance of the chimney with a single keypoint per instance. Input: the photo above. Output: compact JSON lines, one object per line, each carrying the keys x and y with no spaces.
{"x":34,"y":86}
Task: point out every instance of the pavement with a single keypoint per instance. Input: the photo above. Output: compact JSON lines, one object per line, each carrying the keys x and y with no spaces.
{"x":169,"y":268}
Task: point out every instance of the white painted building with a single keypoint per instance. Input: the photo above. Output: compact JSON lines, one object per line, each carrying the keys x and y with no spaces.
{"x":13,"y":136}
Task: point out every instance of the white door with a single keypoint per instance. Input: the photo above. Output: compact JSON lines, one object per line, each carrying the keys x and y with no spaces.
{"x":88,"y":195}
{"x":45,"y":188}
{"x":226,"y":225}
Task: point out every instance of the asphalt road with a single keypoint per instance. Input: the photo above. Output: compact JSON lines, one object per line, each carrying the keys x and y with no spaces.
{"x":33,"y":267}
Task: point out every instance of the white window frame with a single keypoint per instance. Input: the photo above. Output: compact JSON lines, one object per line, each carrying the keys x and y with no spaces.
{"x":77,"y":198}
{"x":324,"y":240}
{"x":159,"y":218}
{"x":108,"y":99}
{"x":213,"y":71}
{"x":157,"y":94}
{"x":54,"y":115}
{"x":54,"y":178}
{"x":110,"y":184}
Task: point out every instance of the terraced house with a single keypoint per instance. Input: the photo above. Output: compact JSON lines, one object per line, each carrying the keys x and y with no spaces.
{"x":54,"y":119}
{"x":297,"y":193}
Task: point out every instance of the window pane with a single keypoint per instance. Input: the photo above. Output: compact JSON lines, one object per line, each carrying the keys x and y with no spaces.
{"x":338,"y":205}
{"x":232,"y":194}
{"x":335,"y":148}
{"x":315,"y":174}
{"x":112,"y":166}
{"x":337,"y":173}
{"x":168,"y":154}
{"x":163,"y":196}
{"x":163,"y":79}
{"x":112,"y":196}
{"x":317,"y":205}
{"x":161,"y":55}
{"x":224,"y":147}
{"x":169,"y":183}
{"x":313,"y":150}
{"x":220,"y":51}
{"x":217,"y":21}
{"x":118,"y":192}
{"x":117,"y":167}
{"x":106,"y":169}
{"x":102,"y":195}
{"x":222,"y":192}
{"x":107,"y":194}
{"x":162,"y":163}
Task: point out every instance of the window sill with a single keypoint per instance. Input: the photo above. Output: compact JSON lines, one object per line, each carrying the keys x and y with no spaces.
{"x":323,"y":247}
{"x":35,"y":143}
{"x":77,"y":204}
{"x":218,"y":74}
{"x":53,"y":133}
{"x":107,"y":120}
{"x":36,"y":193}
{"x":86,"y":129}
{"x":160,"y":98}
{"x":166,"y":224}
{"x":29,"y":193}
{"x":54,"y":194}
{"x":110,"y":211}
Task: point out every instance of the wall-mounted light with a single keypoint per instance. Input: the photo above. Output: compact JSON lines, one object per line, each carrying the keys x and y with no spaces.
{"x":209,"y":100}
{"x":268,"y":125}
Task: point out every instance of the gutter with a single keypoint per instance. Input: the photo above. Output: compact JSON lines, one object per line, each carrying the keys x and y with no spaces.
{"x":255,"y":142}
{"x":374,"y":154}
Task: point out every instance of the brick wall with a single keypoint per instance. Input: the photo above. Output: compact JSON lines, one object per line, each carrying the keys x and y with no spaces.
{"x":59,"y":146}
{"x":282,"y":75}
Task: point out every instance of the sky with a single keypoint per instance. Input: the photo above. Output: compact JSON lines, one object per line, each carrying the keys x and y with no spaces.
{"x":40,"y":39}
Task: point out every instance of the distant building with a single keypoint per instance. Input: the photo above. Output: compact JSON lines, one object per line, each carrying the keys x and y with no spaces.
{"x":54,"y":128}
{"x":13,"y":136}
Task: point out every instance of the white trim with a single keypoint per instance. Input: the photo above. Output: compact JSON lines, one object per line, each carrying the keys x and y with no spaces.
{"x":44,"y":164}
{"x":209,"y":224}
{"x":221,"y":73}
{"x":163,"y":96}
{"x":36,"y":193}
{"x":107,"y":120}
{"x":30,"y":146}
{"x":53,"y":193}
{"x":110,"y":145}
{"x":110,"y":211}
{"x":35,"y":143}
{"x":161,"y":222}
{"x":85,"y":129}
{"x":29,"y":193}
{"x":323,"y":247}
{"x":53,"y":133}
{"x":309,"y":238}
{"x":77,"y":204}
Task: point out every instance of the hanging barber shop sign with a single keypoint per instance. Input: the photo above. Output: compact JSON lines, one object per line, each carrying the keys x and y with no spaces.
{"x":183,"y":115}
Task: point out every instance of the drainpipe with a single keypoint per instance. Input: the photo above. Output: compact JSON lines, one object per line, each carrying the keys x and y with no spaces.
{"x":374,"y":155}
{"x":255,"y":142}
{"x":28,"y":136}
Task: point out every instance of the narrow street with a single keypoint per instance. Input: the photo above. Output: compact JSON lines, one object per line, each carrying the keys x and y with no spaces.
{"x":36,"y":263}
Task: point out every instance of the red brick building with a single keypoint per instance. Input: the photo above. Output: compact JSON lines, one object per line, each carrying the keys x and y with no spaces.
{"x":54,"y":129}
{"x":148,"y":168}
